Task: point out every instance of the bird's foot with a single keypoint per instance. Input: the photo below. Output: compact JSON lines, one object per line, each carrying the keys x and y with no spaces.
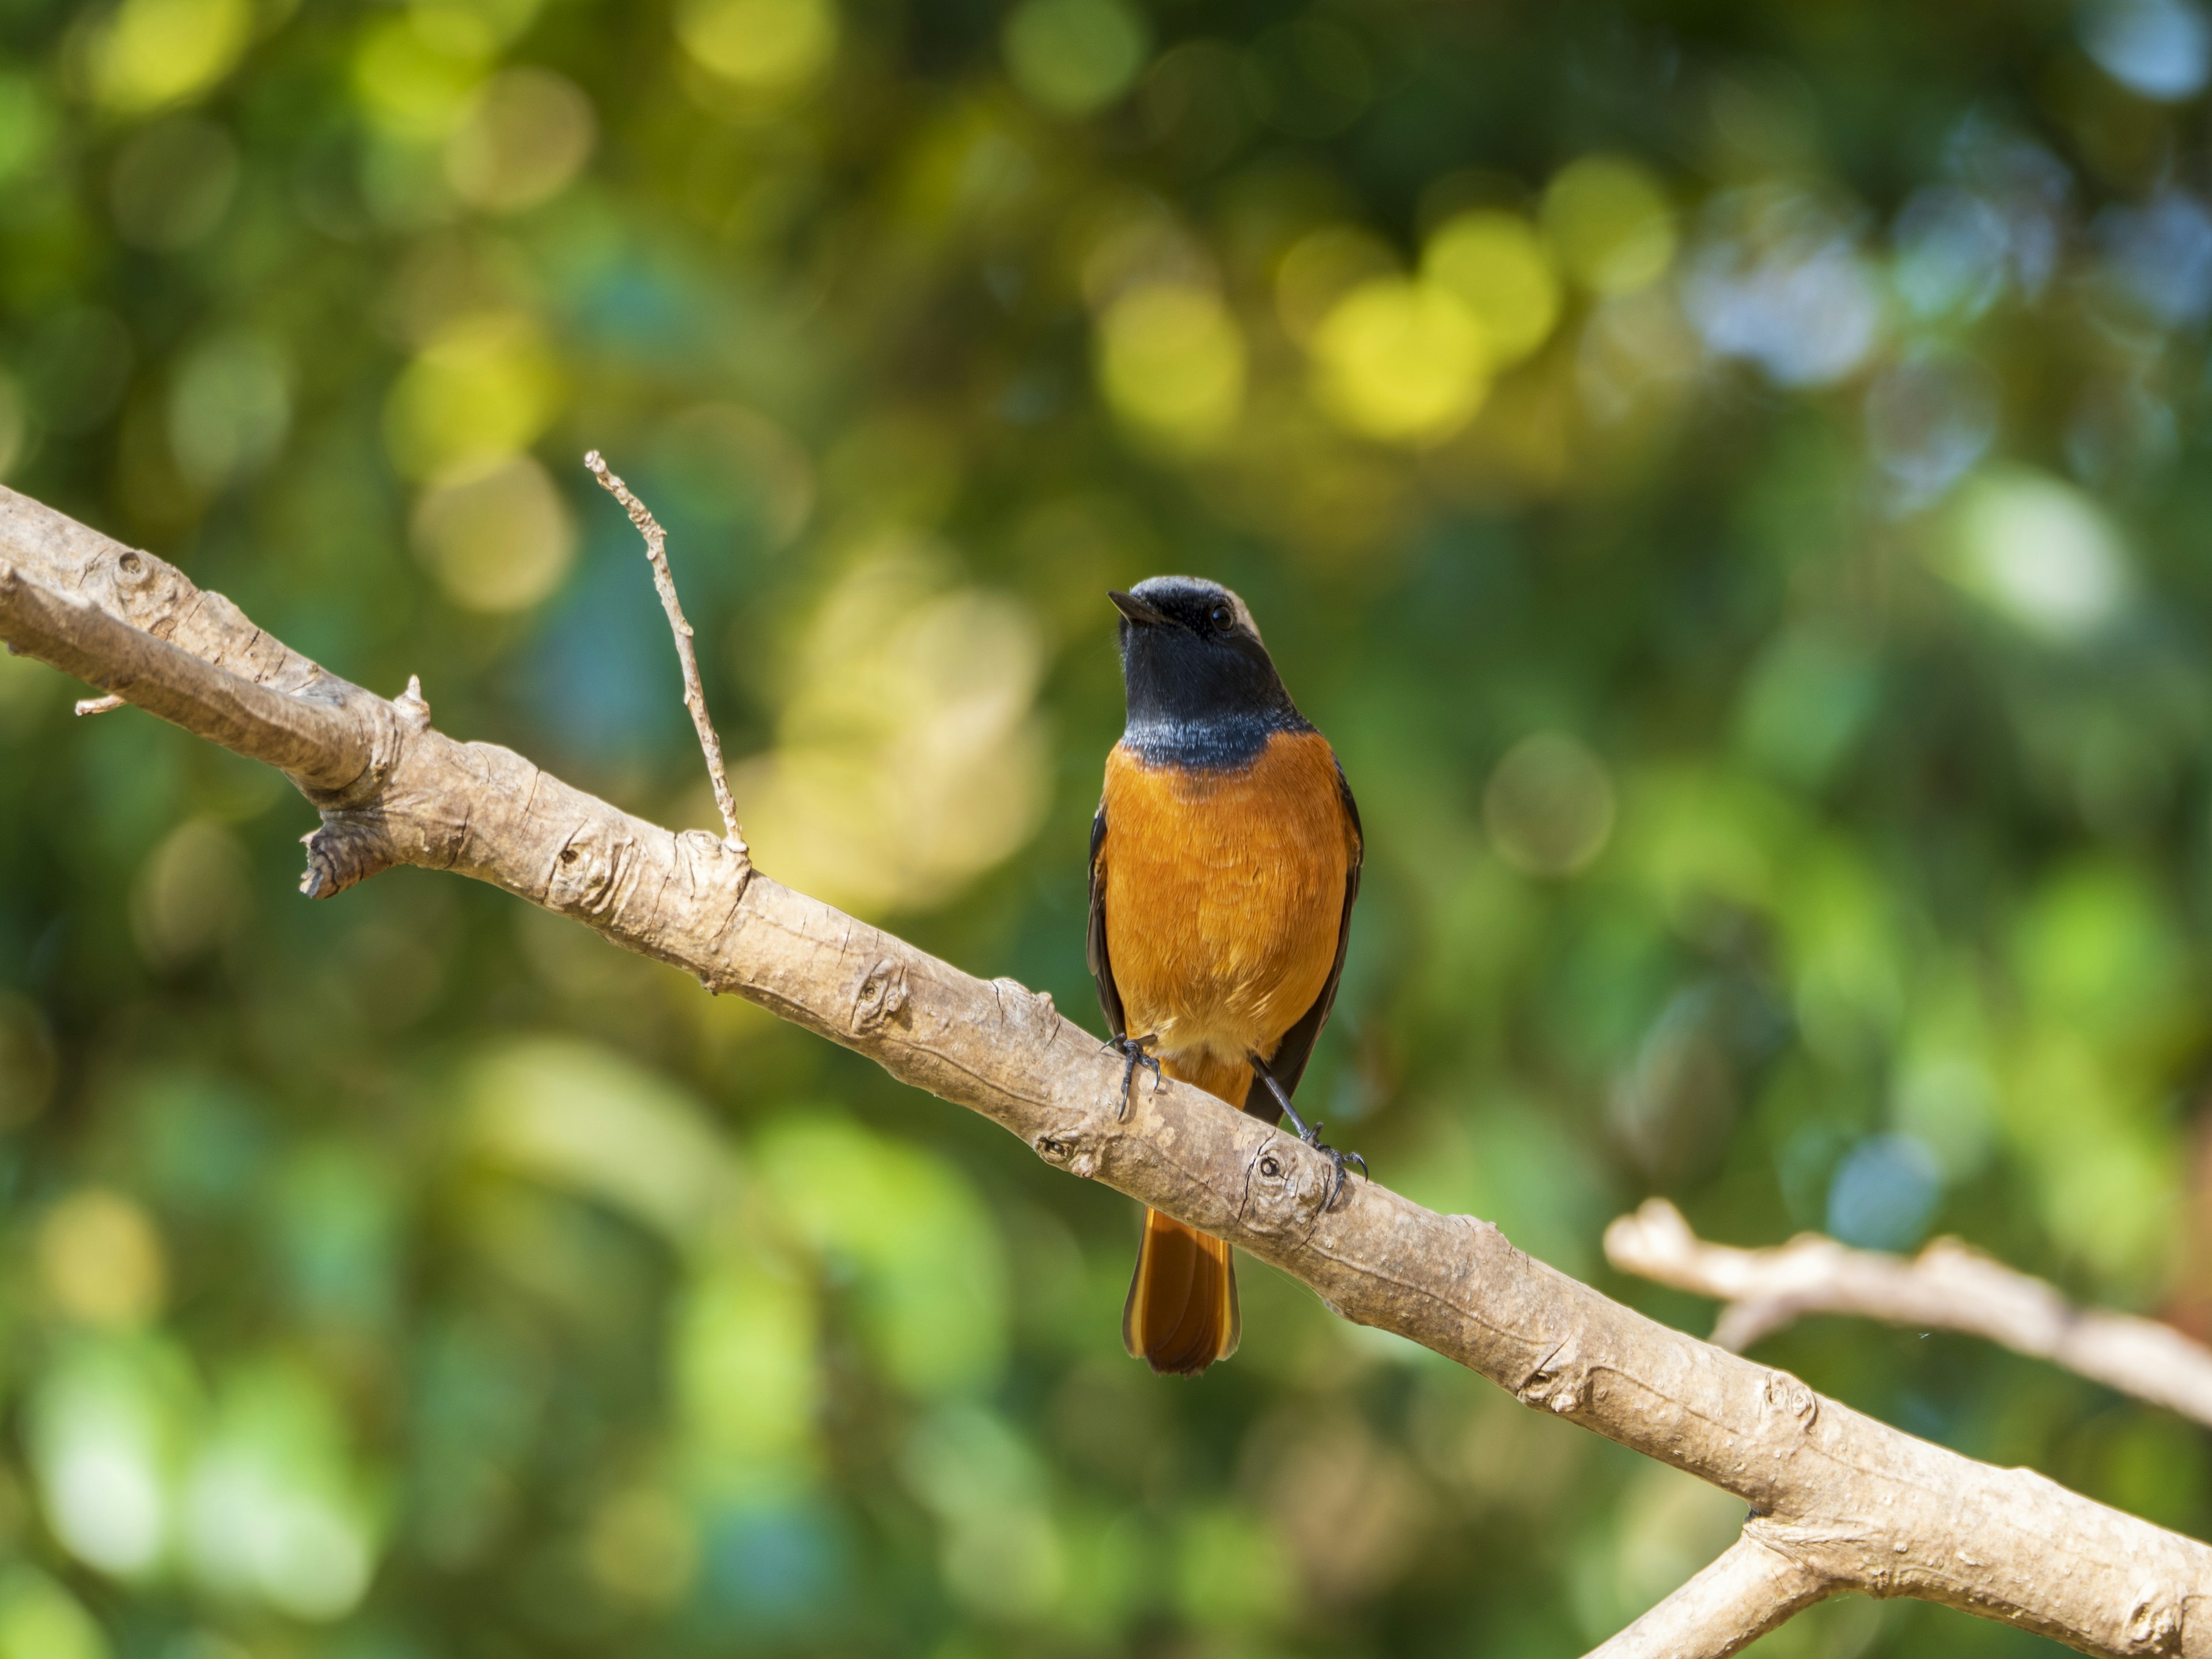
{"x":1310,"y":1133}
{"x":1340,"y":1161}
{"x":1134,"y":1052}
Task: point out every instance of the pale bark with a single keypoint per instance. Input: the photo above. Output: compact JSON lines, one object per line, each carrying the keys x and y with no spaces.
{"x":1748,"y":1589}
{"x":1850,"y":1503}
{"x":1947,"y":1286}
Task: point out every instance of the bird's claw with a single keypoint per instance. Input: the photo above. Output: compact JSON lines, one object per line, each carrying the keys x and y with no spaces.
{"x":1134,"y":1052}
{"x":1338,"y":1160}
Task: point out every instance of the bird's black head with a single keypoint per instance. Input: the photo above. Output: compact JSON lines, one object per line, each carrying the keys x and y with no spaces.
{"x":1202,"y":691}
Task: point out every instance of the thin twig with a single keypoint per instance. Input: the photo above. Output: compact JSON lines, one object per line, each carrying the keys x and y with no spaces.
{"x":1947,"y":1286}
{"x":695,"y":697}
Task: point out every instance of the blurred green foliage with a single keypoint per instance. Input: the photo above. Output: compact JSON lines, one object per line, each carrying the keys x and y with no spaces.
{"x":1729,"y":479}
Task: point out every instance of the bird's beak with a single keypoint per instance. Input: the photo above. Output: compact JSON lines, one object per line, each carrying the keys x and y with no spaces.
{"x":1136,"y":609}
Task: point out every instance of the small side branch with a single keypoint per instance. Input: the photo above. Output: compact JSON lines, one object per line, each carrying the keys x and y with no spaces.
{"x":1746,"y":1592}
{"x":1947,"y":1286}
{"x":694,"y":696}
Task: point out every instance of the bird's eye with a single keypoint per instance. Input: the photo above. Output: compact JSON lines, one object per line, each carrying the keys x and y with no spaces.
{"x":1220,"y":618}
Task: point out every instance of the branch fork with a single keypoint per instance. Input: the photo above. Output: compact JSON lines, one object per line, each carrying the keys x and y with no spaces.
{"x":1841,"y":1502}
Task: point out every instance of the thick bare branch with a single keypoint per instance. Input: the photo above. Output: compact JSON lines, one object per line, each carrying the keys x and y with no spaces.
{"x":322,"y":745}
{"x":1746,"y":1592}
{"x":1947,"y":1286}
{"x":1855,"y":1504}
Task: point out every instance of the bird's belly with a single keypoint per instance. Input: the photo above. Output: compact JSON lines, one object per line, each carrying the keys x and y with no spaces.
{"x":1224,"y":894}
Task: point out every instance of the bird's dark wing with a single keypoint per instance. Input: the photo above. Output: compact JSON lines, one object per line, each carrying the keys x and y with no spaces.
{"x":1101,"y":970}
{"x":1288,"y":1062}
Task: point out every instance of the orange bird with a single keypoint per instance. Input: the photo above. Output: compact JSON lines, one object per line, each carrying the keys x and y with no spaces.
{"x":1224,"y":860}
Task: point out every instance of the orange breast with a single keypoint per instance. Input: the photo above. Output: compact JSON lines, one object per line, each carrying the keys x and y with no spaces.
{"x":1224,"y":895}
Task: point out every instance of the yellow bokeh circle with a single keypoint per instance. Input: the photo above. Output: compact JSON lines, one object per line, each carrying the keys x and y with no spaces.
{"x":484,"y":387}
{"x":496,"y":537}
{"x":760,"y":46}
{"x":158,"y":53}
{"x":1172,"y":365}
{"x":1496,"y":265}
{"x":1609,"y":223}
{"x":1402,"y":362}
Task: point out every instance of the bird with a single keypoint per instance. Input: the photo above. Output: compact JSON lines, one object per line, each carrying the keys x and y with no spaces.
{"x":1224,"y":862}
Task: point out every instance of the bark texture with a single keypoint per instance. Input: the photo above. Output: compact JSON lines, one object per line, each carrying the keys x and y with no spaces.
{"x":1842,"y":1501}
{"x":1947,"y":1286}
{"x":1746,"y":1592}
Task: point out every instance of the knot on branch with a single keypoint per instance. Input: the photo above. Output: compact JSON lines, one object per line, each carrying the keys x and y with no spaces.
{"x":1558,"y":1382}
{"x":2154,"y":1624}
{"x":1785,"y":1394}
{"x":1287,"y":1186}
{"x":881,"y":996}
{"x":592,"y":872}
{"x":1071,"y":1150}
{"x":137,"y":585}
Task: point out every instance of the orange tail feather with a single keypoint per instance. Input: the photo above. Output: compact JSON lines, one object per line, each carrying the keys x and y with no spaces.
{"x":1182,"y":1313}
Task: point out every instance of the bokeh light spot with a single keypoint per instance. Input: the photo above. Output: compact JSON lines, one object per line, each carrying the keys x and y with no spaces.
{"x":1929,"y":419}
{"x":1609,"y":223}
{"x":229,"y":408}
{"x":1549,"y":805}
{"x":1075,"y":55}
{"x":103,"y":1423}
{"x":1320,"y":269}
{"x":760,"y":46}
{"x":526,"y":136}
{"x":26,"y":125}
{"x":2160,"y":49}
{"x":1172,"y":365}
{"x":273,"y":1508}
{"x":909,"y":759}
{"x":410,"y":84}
{"x":586,"y":1121}
{"x":1404,"y":362}
{"x":1884,"y":1194}
{"x":156,"y":52}
{"x":40,"y":1620}
{"x":191,"y":895}
{"x":1495,"y":264}
{"x":100,"y":1261}
{"x":744,"y":1363}
{"x":1777,"y":280}
{"x":483,"y":388}
{"x":2039,"y":552}
{"x":643,"y":1547}
{"x":497,"y":537}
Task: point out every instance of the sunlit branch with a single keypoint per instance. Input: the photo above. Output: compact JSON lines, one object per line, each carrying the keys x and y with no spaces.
{"x":1849,"y":1503}
{"x":695,"y":695}
{"x":1947,"y":1286}
{"x":1745,"y":1593}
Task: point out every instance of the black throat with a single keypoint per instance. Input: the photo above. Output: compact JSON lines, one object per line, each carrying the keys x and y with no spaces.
{"x":1199,"y":702}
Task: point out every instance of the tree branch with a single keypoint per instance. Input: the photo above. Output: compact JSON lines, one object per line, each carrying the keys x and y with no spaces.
{"x":687,"y":658}
{"x":1852,"y":1502}
{"x":1746,"y":1592}
{"x":1947,"y":1286}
